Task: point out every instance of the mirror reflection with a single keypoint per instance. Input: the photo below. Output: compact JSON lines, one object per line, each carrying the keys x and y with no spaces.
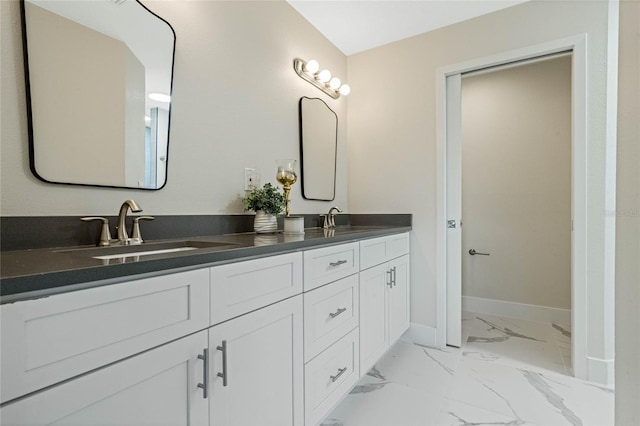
{"x":318,"y":145}
{"x":90,"y":67}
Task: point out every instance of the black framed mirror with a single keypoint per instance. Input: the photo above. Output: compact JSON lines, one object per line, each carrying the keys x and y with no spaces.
{"x":90,"y":67}
{"x":318,"y":149}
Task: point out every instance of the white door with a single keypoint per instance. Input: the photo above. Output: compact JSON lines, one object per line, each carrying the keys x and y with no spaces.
{"x":256,"y":369}
{"x":447,"y":320}
{"x":373,"y":326}
{"x":398,"y":300}
{"x":159,"y":387}
{"x":454,"y":210}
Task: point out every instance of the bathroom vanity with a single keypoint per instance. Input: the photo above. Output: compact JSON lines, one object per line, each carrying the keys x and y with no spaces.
{"x":271,"y":334}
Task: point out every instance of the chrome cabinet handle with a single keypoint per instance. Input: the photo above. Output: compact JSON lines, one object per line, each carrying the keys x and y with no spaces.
{"x":473,"y":252}
{"x":393,"y":274}
{"x":390,"y":280}
{"x":205,"y":373}
{"x":338,"y":312}
{"x":224,"y":374}
{"x":338,"y":263}
{"x":340,"y":373}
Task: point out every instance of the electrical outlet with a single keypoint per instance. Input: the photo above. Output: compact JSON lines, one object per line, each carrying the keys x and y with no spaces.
{"x":251,"y":179}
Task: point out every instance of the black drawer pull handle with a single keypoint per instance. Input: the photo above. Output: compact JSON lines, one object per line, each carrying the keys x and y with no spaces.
{"x":338,"y":312}
{"x":340,"y":373}
{"x":338,"y":263}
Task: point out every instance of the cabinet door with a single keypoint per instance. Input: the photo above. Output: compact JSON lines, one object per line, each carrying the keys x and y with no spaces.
{"x":259,"y":356}
{"x":373,"y":330}
{"x":398,"y":298}
{"x":158,"y":387}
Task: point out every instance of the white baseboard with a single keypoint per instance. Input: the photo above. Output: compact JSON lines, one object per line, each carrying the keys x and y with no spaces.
{"x":421,"y":334}
{"x":601,"y":370}
{"x":516,"y":310}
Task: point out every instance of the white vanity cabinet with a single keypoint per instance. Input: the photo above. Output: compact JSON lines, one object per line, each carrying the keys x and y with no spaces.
{"x":157,"y":387}
{"x":384,"y":296}
{"x":277,"y":340}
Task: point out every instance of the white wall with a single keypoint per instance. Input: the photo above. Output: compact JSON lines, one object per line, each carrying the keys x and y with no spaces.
{"x":393,"y":128}
{"x":516,"y":184}
{"x":235,"y":105}
{"x":628,"y":220}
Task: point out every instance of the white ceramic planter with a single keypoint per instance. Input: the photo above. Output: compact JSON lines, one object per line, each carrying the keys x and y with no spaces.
{"x":264,"y":223}
{"x":294,"y":225}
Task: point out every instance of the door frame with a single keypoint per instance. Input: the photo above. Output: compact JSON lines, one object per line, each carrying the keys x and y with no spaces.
{"x":578,"y":46}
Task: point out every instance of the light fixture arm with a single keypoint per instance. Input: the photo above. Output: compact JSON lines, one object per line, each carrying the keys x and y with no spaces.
{"x":298,"y":66}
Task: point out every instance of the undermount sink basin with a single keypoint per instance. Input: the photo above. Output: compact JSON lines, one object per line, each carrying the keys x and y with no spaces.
{"x":146,"y":249}
{"x":341,"y":229}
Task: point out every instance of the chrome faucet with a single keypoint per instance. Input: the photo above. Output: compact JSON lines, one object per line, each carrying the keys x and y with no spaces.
{"x":330,"y":218}
{"x":123,"y":236}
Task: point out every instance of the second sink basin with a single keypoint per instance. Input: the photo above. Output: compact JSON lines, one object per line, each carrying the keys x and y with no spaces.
{"x":146,"y":249}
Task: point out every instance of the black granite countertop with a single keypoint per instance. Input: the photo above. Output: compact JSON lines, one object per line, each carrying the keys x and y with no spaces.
{"x":26,"y":274}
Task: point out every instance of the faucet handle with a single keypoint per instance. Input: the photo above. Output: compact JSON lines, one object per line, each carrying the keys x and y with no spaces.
{"x":105,"y":233}
{"x":325,"y":221}
{"x":136,"y":227}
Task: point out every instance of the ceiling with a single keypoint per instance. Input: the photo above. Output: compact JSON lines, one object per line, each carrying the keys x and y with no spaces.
{"x":357,"y":25}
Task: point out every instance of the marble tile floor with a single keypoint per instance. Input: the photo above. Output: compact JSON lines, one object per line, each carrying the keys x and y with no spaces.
{"x":507,"y":372}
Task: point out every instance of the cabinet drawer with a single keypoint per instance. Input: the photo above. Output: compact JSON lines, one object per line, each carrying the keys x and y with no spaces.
{"x":330,"y":312}
{"x":329,"y":376}
{"x":238,"y":288}
{"x":380,"y":250}
{"x":61,"y":336}
{"x":324,"y":265}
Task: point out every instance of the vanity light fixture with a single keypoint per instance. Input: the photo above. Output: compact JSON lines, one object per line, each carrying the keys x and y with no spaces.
{"x":310,"y":71}
{"x":160,"y":97}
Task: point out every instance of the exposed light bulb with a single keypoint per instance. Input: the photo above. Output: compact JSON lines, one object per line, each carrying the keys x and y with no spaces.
{"x":160,"y":97}
{"x":345,"y":89}
{"x":324,"y":76}
{"x":334,"y":83}
{"x":312,"y":66}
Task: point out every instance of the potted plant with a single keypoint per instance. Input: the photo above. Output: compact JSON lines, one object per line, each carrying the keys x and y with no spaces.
{"x":267,"y":202}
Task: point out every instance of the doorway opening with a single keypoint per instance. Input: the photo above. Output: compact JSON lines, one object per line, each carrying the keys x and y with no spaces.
{"x":449,"y":239}
{"x":516,"y":212}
